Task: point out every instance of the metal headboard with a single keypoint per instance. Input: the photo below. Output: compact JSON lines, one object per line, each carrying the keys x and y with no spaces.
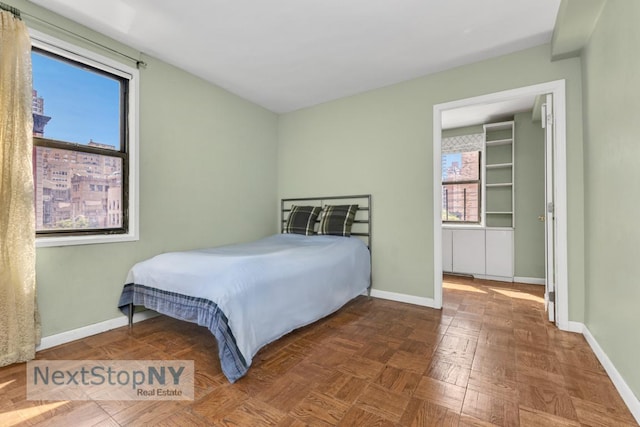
{"x":361,"y":224}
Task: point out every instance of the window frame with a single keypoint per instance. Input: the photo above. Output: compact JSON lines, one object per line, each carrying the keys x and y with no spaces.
{"x":479,"y":182}
{"x":130,"y":231}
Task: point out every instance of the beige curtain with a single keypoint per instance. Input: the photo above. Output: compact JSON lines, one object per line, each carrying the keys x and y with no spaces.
{"x":19,"y":327}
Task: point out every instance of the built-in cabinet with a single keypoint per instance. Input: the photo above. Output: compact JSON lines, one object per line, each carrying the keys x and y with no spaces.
{"x":499,"y":257}
{"x":447,"y":250}
{"x":468,"y":251}
{"x":481,"y":252}
{"x":487,"y":251}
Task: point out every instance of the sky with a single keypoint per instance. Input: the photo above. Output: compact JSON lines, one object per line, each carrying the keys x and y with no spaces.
{"x":83,"y":105}
{"x":448,"y":159}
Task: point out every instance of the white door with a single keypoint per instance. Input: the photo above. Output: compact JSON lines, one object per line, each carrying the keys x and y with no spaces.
{"x":550,"y":288}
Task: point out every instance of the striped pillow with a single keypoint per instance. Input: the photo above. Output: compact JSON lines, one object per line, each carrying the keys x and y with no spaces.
{"x":337,"y":220}
{"x":302,"y":220}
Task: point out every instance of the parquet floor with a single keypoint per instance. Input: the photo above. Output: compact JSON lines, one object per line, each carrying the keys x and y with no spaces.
{"x":488,"y":358}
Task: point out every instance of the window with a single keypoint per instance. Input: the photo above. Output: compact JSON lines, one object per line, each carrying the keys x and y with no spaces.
{"x":84,"y":114}
{"x":461,"y":186}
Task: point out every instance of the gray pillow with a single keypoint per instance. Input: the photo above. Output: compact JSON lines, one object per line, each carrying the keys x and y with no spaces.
{"x":302,"y":220}
{"x":337,"y":220}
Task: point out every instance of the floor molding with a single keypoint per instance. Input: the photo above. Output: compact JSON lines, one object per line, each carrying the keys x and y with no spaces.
{"x":629,"y":397}
{"x":411,"y":299}
{"x":107,"y":325}
{"x":96,"y":328}
{"x":494,"y":278}
{"x":529,"y":280}
{"x":576,"y":327}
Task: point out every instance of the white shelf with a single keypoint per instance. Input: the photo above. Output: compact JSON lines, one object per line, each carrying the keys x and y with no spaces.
{"x":499,"y":126}
{"x":497,"y":142}
{"x":499,"y":176}
{"x":500,"y":166}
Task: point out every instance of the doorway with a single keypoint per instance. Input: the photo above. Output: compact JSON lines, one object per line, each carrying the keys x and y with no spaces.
{"x":557,"y":90}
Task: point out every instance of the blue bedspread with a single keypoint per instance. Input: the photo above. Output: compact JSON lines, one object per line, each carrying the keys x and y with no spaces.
{"x":250,"y":294}
{"x":197,"y":310}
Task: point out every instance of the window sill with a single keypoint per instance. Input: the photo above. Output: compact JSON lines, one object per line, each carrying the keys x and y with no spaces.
{"x":48,"y":242}
{"x":463,"y":226}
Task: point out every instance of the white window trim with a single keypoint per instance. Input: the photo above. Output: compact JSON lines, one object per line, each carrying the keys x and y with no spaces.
{"x":477,"y":146}
{"x":68,"y":50}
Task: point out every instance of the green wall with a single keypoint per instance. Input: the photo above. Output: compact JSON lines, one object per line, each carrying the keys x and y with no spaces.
{"x":611,"y":67}
{"x":529,"y":197}
{"x":207,"y":166}
{"x":380,"y":142}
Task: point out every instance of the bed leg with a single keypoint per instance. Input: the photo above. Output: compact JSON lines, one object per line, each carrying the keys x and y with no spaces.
{"x":131,"y":315}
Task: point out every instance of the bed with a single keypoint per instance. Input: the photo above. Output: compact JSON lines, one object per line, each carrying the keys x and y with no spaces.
{"x":251,"y":294}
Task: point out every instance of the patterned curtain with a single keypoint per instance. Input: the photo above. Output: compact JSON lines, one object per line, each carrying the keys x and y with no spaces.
{"x":19,"y":325}
{"x":462,"y":143}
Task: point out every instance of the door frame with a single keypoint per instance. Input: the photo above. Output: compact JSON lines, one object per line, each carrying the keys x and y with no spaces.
{"x":557,"y":88}
{"x":546,"y":111}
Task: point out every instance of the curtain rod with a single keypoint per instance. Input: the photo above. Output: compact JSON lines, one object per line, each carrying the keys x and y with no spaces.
{"x":10,"y":9}
{"x":17,"y":13}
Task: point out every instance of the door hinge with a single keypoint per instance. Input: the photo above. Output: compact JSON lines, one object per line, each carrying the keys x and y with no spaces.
{"x":552,"y":297}
{"x":550,"y":207}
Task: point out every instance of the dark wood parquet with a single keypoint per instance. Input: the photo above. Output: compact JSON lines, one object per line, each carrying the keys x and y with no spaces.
{"x":489,"y":358}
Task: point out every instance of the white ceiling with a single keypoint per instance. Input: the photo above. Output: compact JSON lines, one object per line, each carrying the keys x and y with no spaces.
{"x":289,"y":54}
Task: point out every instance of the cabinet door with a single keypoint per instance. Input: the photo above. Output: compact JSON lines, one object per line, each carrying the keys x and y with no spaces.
{"x":468,"y":251}
{"x":500,"y":253}
{"x":447,"y":250}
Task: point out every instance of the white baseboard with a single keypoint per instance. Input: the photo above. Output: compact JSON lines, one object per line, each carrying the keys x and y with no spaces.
{"x":96,"y":328}
{"x":576,"y":327}
{"x":494,"y":278}
{"x":530,"y":280}
{"x":411,"y":299}
{"x":621,"y":385}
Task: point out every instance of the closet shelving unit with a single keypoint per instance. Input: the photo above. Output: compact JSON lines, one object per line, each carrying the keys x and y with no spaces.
{"x":499,"y":175}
